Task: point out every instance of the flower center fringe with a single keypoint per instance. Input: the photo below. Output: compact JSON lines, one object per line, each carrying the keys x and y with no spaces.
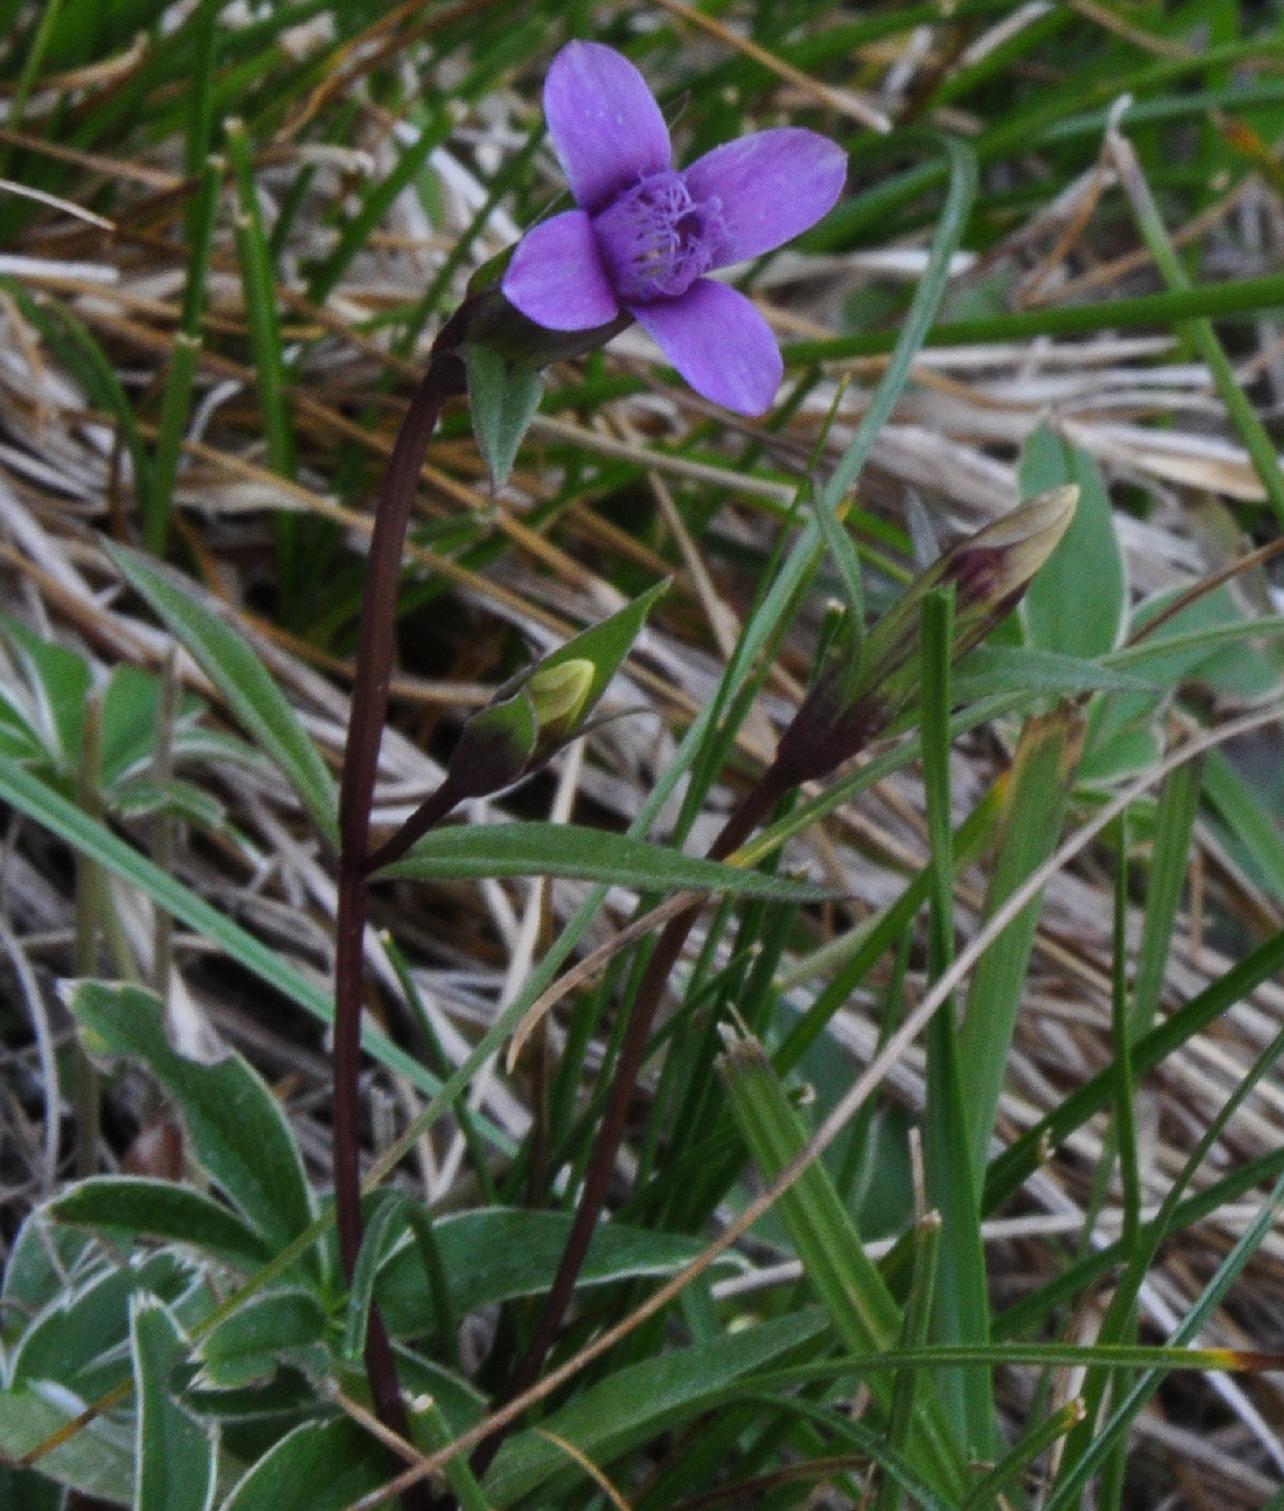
{"x":656,"y":240}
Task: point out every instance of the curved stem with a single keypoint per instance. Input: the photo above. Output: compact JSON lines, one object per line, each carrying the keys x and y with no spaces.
{"x":376,"y":647}
{"x":756,"y":804}
{"x":427,"y":816}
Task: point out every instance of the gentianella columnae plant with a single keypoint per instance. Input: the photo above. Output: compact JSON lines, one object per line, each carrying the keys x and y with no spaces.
{"x":638,"y":245}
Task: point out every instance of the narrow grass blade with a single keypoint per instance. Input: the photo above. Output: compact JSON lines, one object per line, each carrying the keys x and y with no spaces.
{"x":185,"y":359}
{"x":854,"y":1294}
{"x":1169,"y":857}
{"x":961,"y":1313}
{"x":1021,"y":1457}
{"x":1071,"y":1484}
{"x":75,"y":345}
{"x":48,"y":808}
{"x":1252,"y":432}
{"x":1035,"y":795}
{"x":1013,"y":1167}
{"x":230,"y":663}
{"x":1248,"y":819}
{"x":258,"y":284}
{"x":1244,"y":297}
{"x":430,"y":1423}
{"x":914,"y":1334}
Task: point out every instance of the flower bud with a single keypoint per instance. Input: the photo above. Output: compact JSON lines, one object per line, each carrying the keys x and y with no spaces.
{"x":558,"y":694}
{"x":496,"y":746}
{"x":991,"y":570}
{"x":535,"y":713}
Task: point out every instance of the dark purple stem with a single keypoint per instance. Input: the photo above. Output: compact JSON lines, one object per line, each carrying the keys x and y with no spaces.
{"x":376,"y":647}
{"x":756,"y":804}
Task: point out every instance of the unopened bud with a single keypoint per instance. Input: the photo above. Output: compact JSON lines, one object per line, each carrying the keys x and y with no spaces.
{"x":558,"y":694}
{"x":495,"y":747}
{"x":990,"y":570}
{"x":993,"y":568}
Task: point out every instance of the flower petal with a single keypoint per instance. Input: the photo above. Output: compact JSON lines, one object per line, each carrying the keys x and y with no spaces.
{"x":556,"y":278}
{"x":604,"y":122}
{"x":770,"y":186}
{"x":719,"y":343}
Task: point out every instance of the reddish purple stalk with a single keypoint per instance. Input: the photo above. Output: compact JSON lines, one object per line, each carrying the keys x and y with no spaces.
{"x":376,"y":649}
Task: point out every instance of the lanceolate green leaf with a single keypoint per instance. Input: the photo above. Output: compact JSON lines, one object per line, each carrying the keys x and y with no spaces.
{"x":252,"y":696}
{"x":537,"y":849}
{"x":133,"y":1207}
{"x":498,"y":1253}
{"x":634,"y":1404}
{"x":1075,"y":606}
{"x":238,"y":1130}
{"x":992,"y":669}
{"x":502,"y":399}
{"x":177,"y":1455}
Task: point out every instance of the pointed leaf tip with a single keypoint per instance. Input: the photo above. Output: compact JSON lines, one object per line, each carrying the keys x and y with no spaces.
{"x":504,"y":396}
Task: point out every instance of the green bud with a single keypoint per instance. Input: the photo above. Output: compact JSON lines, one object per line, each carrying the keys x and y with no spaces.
{"x":495,"y":746}
{"x":598,"y":653}
{"x":559,"y":693}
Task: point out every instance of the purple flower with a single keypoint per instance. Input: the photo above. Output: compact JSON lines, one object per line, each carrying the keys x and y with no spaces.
{"x":645,"y":234}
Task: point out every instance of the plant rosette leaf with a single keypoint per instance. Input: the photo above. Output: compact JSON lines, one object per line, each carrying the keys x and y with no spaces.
{"x":129,"y":1207}
{"x":97,"y":1460}
{"x":317,"y":1467}
{"x":81,"y":1338}
{"x":239,"y":1133}
{"x":636,"y":1402}
{"x":499,"y":1253}
{"x":285,"y":1324}
{"x":177,"y":1456}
